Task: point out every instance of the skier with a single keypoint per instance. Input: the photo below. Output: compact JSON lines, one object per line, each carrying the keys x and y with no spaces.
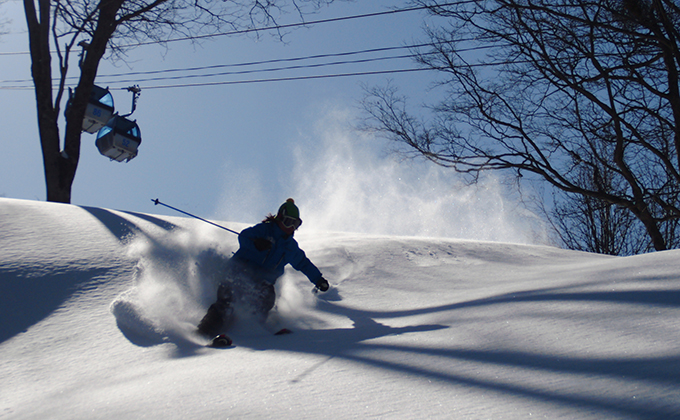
{"x":264,"y":250}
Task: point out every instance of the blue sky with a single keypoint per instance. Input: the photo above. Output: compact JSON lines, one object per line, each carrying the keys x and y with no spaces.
{"x":236,"y":151}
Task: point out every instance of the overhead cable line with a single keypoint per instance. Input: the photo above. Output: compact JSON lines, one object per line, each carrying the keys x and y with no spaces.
{"x":281,"y":60}
{"x":230,"y":73}
{"x":269,"y":70}
{"x":271,"y":61}
{"x":286,"y":79}
{"x":253,"y":81}
{"x":274,"y":61}
{"x":277,"y":27}
{"x":297,"y":24}
{"x":278,"y":79}
{"x":295,"y":78}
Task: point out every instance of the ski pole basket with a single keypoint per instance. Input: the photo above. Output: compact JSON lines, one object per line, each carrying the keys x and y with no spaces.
{"x":119,"y":139}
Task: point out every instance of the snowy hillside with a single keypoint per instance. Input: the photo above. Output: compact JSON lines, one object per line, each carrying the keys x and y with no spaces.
{"x":97,"y":309}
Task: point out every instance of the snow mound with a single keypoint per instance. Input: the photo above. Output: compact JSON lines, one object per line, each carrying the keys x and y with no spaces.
{"x":98,"y":309}
{"x":132,"y":319}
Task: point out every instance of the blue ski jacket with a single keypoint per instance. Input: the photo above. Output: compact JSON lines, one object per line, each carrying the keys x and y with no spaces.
{"x":268,"y":265}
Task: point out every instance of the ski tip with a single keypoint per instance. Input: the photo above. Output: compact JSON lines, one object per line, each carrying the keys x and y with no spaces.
{"x":283,"y":331}
{"x":220,"y":341}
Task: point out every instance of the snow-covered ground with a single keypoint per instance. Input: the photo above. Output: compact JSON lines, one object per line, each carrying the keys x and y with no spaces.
{"x":97,"y":309}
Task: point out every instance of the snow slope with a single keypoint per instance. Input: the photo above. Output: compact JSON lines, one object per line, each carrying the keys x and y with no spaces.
{"x":97,"y":309}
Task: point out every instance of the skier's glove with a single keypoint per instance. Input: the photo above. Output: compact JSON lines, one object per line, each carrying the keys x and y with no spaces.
{"x":262,"y":244}
{"x":322,"y":284}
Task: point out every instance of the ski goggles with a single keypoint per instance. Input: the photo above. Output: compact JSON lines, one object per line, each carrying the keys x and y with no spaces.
{"x":291,"y":222}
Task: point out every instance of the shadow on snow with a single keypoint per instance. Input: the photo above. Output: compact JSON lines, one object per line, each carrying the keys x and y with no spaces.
{"x":46,"y":293}
{"x":352,"y":344}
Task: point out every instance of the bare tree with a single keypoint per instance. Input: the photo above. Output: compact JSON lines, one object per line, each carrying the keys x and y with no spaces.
{"x":586,"y":223}
{"x":574,"y":92}
{"x":97,"y":27}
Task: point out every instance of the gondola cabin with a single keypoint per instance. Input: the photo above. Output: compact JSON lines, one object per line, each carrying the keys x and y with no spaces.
{"x":119,"y":139}
{"x":99,"y":110}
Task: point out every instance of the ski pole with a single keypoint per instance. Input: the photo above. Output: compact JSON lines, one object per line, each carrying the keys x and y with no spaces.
{"x":157,"y":202}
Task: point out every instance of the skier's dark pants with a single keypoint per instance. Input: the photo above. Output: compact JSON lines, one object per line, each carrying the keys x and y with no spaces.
{"x":256,"y":296}
{"x":243,"y":290}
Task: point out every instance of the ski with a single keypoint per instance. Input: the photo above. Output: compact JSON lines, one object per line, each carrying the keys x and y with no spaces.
{"x":223,"y":341}
{"x":220,"y":341}
{"x":283,"y":331}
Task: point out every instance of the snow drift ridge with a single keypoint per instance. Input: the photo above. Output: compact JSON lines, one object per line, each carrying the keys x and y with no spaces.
{"x":97,"y":306}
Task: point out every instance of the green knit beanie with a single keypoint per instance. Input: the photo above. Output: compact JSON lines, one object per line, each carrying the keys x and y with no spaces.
{"x":289,"y":209}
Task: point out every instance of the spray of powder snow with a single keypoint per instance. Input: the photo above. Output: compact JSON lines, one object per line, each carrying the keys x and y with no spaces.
{"x":344,"y":184}
{"x":175,"y":280}
{"x":343,"y":181}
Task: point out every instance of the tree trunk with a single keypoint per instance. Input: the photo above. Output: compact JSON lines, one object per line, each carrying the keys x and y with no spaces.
{"x":652,"y":227}
{"x":57,"y":169}
{"x":60,"y":166}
